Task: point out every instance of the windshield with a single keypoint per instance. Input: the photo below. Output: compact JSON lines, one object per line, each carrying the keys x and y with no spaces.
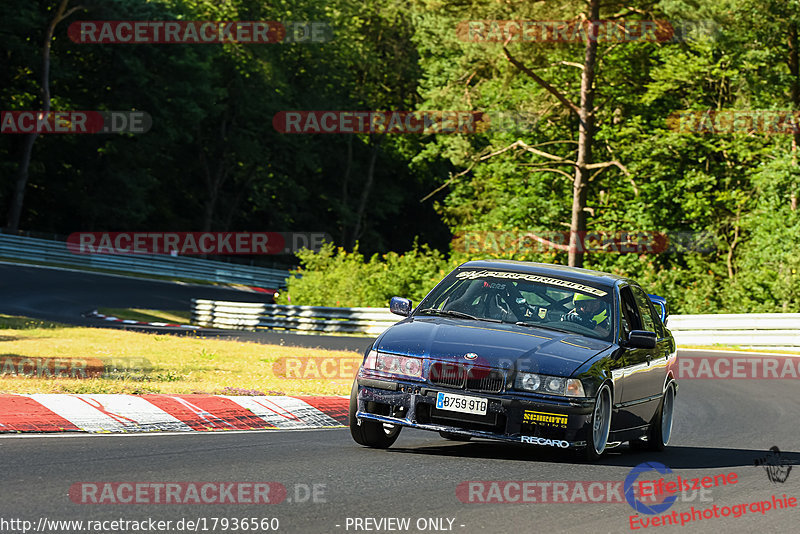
{"x":523,"y":299}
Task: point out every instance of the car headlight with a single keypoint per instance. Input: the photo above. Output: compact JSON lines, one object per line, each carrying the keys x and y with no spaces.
{"x":549,"y":385}
{"x":393,"y":364}
{"x":528,"y":381}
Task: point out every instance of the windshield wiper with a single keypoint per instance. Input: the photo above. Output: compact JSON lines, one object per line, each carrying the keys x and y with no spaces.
{"x":539,"y":325}
{"x":460,"y":315}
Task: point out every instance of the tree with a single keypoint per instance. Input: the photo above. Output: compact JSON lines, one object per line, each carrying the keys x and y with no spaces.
{"x":21,"y":180}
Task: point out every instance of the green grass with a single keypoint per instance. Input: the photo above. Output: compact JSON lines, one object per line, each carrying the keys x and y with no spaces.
{"x":152,"y":363}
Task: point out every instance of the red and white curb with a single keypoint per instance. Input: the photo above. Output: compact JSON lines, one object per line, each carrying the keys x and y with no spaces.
{"x":162,"y":412}
{"x":97,"y":315}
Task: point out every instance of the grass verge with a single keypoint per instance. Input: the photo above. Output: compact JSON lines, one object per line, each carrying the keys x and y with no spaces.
{"x":136,"y":363}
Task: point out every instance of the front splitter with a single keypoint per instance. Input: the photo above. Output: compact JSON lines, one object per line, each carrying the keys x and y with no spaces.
{"x":455,"y":430}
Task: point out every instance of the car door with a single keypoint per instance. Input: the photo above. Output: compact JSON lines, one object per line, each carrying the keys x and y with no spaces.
{"x":650,"y":382}
{"x":637,"y":372}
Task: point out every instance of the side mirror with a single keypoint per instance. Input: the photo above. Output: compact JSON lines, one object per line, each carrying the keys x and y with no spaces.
{"x":641,"y":339}
{"x":400,"y":306}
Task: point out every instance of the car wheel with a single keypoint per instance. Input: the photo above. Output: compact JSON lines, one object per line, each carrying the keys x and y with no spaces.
{"x":600,"y":425}
{"x":455,"y":437}
{"x":370,"y":433}
{"x":661,"y":428}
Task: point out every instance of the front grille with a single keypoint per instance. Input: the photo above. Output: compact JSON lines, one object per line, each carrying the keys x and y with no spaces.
{"x":456,"y":375}
{"x":448,"y":374}
{"x":485,"y":380}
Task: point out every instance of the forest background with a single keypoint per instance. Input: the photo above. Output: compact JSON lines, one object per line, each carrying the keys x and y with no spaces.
{"x":400,"y":205}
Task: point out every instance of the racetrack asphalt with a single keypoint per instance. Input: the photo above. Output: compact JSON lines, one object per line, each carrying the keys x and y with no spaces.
{"x":721,"y":426}
{"x":65,"y":296}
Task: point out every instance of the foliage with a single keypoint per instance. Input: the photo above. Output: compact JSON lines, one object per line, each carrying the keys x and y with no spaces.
{"x":336,"y":277}
{"x":213,"y":160}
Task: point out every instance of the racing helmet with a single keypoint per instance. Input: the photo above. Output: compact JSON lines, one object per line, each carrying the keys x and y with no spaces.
{"x":599,"y":315}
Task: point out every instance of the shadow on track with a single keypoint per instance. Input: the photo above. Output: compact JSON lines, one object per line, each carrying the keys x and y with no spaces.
{"x":676,"y":457}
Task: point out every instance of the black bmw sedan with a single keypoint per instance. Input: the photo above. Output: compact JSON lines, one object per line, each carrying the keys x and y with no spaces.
{"x":538,"y":354}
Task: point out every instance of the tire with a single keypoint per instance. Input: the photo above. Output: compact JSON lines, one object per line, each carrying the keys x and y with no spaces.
{"x":600,"y":425}
{"x":370,"y":433}
{"x":455,"y":437}
{"x":660,"y":430}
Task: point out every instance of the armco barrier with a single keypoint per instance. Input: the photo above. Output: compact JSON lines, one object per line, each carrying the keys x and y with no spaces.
{"x":248,"y":315}
{"x":763,"y":331}
{"x":755,"y":330}
{"x":55,"y":252}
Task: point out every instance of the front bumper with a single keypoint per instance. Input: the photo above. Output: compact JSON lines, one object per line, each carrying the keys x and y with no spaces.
{"x":512,"y":417}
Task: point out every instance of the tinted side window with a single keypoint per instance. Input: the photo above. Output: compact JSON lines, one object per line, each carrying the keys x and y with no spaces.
{"x":630,"y":312}
{"x":661,"y":330}
{"x":645,"y":308}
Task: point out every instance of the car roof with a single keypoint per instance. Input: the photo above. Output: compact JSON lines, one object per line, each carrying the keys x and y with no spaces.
{"x":546,"y":269}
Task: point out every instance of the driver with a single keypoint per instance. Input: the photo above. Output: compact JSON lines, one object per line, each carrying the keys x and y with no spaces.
{"x":589,"y":312}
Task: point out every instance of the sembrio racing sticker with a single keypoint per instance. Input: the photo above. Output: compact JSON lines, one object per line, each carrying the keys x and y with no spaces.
{"x":472,"y":275}
{"x":545,"y":419}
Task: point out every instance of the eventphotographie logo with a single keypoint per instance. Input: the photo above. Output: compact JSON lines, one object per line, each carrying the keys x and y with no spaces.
{"x":631,"y":483}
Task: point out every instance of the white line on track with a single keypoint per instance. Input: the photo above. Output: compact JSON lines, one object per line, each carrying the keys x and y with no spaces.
{"x":142,"y":434}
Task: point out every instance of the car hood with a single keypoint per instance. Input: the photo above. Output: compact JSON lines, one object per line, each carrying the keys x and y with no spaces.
{"x":497,"y":345}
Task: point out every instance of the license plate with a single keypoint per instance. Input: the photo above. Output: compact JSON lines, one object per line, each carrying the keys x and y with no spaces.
{"x":461,"y":403}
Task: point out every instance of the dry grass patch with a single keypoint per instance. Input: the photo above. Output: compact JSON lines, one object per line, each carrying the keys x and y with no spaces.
{"x":133,"y":362}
